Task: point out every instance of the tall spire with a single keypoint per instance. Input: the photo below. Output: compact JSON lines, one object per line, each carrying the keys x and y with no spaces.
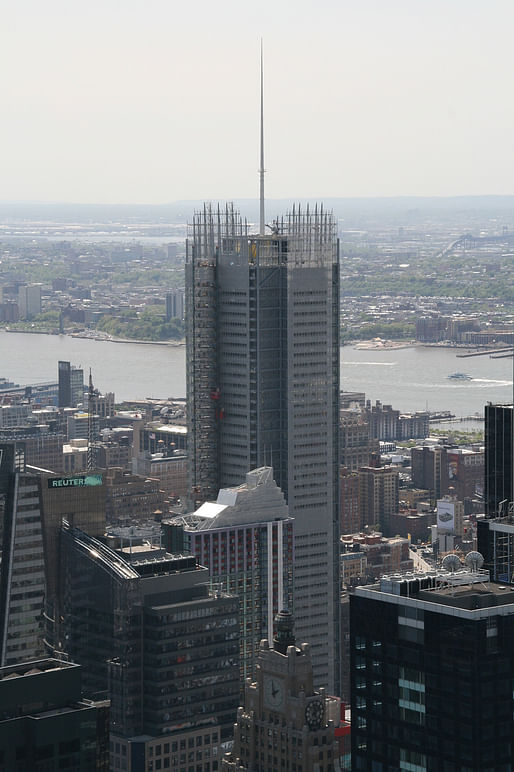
{"x":261,"y":169}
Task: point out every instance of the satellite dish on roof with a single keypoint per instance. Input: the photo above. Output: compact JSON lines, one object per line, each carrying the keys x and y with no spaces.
{"x":451,"y":563}
{"x":474,"y":560}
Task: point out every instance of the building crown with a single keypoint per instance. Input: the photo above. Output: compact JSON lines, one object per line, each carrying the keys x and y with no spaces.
{"x":284,"y":623}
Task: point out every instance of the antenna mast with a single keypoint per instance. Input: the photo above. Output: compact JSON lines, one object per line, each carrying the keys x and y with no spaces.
{"x":91,"y":448}
{"x":261,"y":170}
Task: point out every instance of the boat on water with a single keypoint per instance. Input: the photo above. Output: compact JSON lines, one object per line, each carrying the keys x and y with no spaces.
{"x":460,"y":377}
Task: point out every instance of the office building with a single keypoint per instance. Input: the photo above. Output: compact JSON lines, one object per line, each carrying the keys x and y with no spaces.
{"x":78,"y":426}
{"x":283,"y":724}
{"x":101,"y":405}
{"x":81,"y":499}
{"x":164,"y":648}
{"x":245,"y":539}
{"x":378,"y":496}
{"x":45,"y":724}
{"x":499,"y":439}
{"x":430,"y":470}
{"x":71,"y":385}
{"x":263,"y":388}
{"x":131,"y":498}
{"x":43,"y":448}
{"x":22,"y":570}
{"x":432,"y":663}
{"x":169,"y":468}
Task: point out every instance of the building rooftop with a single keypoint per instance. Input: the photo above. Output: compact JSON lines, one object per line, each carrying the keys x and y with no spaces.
{"x":34,"y":667}
{"x":258,"y":500}
{"x":466,"y":592}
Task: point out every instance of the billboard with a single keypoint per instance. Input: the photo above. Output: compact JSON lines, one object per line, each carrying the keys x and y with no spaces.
{"x":79,"y":481}
{"x":445,"y":515}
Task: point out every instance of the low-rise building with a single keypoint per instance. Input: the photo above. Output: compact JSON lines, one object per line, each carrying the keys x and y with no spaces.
{"x":383,"y":555}
{"x":131,"y":498}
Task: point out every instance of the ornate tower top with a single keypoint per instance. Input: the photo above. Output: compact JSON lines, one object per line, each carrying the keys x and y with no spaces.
{"x":285,"y":631}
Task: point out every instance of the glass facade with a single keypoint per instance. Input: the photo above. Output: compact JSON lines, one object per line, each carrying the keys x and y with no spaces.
{"x":498,"y":457}
{"x":432,"y":689}
{"x":151,"y":635}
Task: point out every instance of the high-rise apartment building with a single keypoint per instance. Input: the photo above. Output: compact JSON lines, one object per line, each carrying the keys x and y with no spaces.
{"x":29,"y":300}
{"x":432,"y":665}
{"x":174,"y":305}
{"x":22,"y":574}
{"x":245,"y":540}
{"x":263,"y":387}
{"x":499,"y":459}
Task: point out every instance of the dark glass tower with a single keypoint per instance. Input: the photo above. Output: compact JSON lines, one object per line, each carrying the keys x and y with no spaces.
{"x":432,"y":663}
{"x":263,"y":388}
{"x":71,"y":385}
{"x":498,"y":458}
{"x":151,"y":635}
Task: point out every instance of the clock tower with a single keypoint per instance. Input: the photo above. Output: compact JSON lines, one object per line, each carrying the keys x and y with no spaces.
{"x":283,"y":725}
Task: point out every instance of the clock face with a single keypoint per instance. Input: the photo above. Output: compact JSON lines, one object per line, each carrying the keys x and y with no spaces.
{"x":273,"y":693}
{"x":314,"y":713}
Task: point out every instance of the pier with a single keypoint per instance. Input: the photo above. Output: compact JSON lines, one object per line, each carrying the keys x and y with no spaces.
{"x":486,"y":351}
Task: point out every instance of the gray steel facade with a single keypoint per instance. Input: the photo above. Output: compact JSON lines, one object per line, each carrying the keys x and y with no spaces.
{"x":262,"y":325}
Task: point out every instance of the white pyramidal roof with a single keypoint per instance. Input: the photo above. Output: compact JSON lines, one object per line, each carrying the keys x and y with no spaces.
{"x":258,"y":500}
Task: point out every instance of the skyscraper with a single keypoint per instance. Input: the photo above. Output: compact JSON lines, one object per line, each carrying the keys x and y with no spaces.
{"x":71,"y":385}
{"x":431,"y":669}
{"x":263,"y":387}
{"x":499,"y":440}
{"x":145,"y":626}
{"x":22,"y":573}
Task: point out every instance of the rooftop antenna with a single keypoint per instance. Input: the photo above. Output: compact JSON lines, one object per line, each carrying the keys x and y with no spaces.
{"x":262,"y":225}
{"x":91,"y":449}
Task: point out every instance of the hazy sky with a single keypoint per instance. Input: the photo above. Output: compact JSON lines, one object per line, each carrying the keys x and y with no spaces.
{"x":151,"y":102}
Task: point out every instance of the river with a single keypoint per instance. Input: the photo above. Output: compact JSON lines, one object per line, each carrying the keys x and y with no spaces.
{"x":411,"y":378}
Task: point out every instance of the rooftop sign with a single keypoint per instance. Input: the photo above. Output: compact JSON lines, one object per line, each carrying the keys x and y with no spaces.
{"x":89,"y":480}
